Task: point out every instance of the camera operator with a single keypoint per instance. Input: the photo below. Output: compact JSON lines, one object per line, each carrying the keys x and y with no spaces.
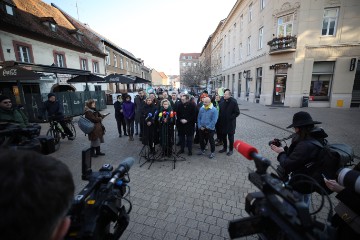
{"x":347,"y":210}
{"x":10,"y":114}
{"x":36,"y":193}
{"x":56,"y":112}
{"x":301,"y":151}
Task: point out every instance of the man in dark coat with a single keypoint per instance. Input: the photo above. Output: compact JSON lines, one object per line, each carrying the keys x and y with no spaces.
{"x":55,"y":112}
{"x":119,"y":116}
{"x":139,"y":105}
{"x":174,"y":101}
{"x":10,"y":114}
{"x":186,"y":117}
{"x":229,"y":111}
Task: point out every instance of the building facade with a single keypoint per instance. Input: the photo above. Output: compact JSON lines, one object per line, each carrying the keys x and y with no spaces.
{"x":292,"y":53}
{"x":187,"y":61}
{"x":216,"y":56}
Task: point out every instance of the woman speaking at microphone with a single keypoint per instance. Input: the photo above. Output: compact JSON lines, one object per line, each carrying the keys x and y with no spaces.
{"x":166,"y":127}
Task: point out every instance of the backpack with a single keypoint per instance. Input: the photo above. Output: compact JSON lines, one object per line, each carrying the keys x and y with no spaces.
{"x":330,"y":159}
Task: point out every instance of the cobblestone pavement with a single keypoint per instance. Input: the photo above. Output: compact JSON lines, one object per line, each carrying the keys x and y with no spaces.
{"x":199,"y":197}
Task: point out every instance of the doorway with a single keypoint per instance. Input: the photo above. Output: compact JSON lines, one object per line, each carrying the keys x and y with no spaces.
{"x":279,"y":89}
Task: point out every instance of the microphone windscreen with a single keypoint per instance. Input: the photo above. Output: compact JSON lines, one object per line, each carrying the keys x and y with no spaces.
{"x":244,"y":149}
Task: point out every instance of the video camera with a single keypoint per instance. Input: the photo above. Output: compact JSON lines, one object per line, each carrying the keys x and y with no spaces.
{"x":14,"y":136}
{"x":98,"y":211}
{"x":275,"y":212}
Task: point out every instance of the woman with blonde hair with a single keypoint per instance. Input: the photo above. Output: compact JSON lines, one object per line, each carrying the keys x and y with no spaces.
{"x":96,"y":137}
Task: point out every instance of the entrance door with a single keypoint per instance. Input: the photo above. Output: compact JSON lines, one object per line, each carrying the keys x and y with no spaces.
{"x":355,"y":100}
{"x":280,"y":89}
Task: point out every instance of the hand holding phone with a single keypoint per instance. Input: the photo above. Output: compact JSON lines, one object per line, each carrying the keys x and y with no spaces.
{"x":324,"y":176}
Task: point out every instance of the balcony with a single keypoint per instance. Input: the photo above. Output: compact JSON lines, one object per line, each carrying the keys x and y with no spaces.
{"x":282,"y":44}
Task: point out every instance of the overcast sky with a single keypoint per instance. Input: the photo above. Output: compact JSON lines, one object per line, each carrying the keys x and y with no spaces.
{"x":156,"y":31}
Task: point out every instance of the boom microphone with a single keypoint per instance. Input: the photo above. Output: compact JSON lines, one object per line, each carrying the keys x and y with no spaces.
{"x":120,"y":171}
{"x":251,"y":153}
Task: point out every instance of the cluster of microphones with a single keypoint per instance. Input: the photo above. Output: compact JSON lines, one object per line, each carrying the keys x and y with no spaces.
{"x":162,"y":116}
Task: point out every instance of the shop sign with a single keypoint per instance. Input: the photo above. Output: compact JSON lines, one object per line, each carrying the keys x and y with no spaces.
{"x":280,"y":66}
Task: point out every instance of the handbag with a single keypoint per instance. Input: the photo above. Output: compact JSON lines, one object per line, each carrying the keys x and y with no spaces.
{"x":348,"y":216}
{"x":86,"y":125}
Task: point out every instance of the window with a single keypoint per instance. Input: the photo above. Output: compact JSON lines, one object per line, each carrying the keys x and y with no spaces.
{"x":53,"y":27}
{"x":60,"y":60}
{"x":127,"y":65}
{"x":330,"y":21}
{"x":121,"y":63}
{"x":258,"y":82}
{"x":262,"y":4}
{"x":83,"y":64}
{"x":184,"y":64}
{"x":261,"y":34}
{"x":115,"y":61}
{"x":95,"y":66}
{"x":241,"y":22}
{"x":107,"y":58}
{"x":189,"y":64}
{"x":23,"y":52}
{"x":132,"y":66}
{"x":321,"y":80}
{"x":228,"y":63}
{"x":285,"y":25}
{"x":250,"y":12}
{"x":97,"y":87}
{"x":184,"y":57}
{"x":240,"y":51}
{"x":9,"y":10}
{"x":189,"y":57}
{"x":233,"y":60}
{"x":248,"y":51}
{"x":194,"y":64}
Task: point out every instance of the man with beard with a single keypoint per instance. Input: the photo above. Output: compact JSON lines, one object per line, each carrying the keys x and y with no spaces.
{"x":139,"y":105}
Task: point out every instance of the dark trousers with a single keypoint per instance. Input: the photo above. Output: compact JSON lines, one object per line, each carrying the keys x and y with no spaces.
{"x":205,"y":136}
{"x":130,"y":126}
{"x":66,"y":129}
{"x":188,"y":138}
{"x":231,"y":141}
{"x":121,"y":122}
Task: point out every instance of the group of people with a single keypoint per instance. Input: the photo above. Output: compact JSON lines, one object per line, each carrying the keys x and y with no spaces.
{"x":156,"y":118}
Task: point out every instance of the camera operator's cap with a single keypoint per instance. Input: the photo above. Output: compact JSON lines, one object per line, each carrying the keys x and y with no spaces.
{"x":51,"y":95}
{"x":302,"y":119}
{"x":3,"y":97}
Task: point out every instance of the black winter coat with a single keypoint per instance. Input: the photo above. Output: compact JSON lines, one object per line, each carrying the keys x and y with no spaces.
{"x":149,"y":132}
{"x":118,"y":107}
{"x":186,"y":111}
{"x":139,"y":105}
{"x":228,"y":112}
{"x":53,"y":109}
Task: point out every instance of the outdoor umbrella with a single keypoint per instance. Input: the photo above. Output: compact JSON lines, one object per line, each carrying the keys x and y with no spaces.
{"x":142,"y":80}
{"x":86,"y":78}
{"x":118,"y":78}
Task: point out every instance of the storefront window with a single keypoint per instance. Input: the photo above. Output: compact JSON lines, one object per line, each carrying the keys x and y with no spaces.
{"x":321,"y":81}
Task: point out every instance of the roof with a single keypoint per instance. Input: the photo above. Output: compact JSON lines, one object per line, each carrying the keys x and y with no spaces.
{"x":95,"y":36}
{"x":193,"y":55}
{"x":28,"y":21}
{"x":163,"y":75}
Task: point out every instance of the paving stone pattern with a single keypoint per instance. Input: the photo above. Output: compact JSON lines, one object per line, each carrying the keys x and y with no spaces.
{"x":199,"y":198}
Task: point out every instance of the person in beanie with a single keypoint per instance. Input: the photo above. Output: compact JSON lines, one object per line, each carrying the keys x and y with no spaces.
{"x":9,"y":114}
{"x":97,"y":135}
{"x":55,"y":112}
{"x":301,"y":151}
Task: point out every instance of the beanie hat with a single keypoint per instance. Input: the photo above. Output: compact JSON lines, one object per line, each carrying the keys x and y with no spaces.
{"x":51,"y":95}
{"x":3,"y":97}
{"x":301,"y":119}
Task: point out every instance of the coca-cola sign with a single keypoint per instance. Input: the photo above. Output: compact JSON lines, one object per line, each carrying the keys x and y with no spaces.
{"x":10,"y":72}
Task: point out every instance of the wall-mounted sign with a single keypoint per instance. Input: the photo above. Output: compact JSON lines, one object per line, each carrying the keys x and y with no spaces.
{"x":280,"y":66}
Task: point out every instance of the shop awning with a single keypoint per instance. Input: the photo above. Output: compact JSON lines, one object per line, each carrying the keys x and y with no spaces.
{"x":17,"y":73}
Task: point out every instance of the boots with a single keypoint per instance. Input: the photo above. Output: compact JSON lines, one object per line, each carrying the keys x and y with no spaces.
{"x":93,"y":154}
{"x":98,"y":153}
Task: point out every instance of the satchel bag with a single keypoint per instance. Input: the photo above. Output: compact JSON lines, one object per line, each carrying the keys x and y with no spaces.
{"x":86,"y":125}
{"x":348,"y":216}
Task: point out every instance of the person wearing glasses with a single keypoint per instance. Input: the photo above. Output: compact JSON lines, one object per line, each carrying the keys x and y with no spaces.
{"x":9,"y":114}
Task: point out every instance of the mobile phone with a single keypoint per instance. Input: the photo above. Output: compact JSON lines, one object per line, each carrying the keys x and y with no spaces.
{"x":324,"y":176}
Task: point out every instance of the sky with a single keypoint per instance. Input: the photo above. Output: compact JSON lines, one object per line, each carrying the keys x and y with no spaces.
{"x":156,"y":31}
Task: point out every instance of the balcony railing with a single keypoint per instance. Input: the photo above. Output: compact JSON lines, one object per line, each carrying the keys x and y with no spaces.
{"x":282,"y":44}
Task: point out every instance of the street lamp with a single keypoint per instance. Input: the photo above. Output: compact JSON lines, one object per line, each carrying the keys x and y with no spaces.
{"x":244,"y":73}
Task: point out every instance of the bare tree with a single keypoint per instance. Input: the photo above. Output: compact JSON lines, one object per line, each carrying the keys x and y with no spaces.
{"x":197,"y":75}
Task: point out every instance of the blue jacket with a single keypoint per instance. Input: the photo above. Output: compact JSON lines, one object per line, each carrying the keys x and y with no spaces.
{"x":208,"y":118}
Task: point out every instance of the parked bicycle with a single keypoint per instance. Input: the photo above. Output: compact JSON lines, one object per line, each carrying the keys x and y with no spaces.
{"x":57,"y":132}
